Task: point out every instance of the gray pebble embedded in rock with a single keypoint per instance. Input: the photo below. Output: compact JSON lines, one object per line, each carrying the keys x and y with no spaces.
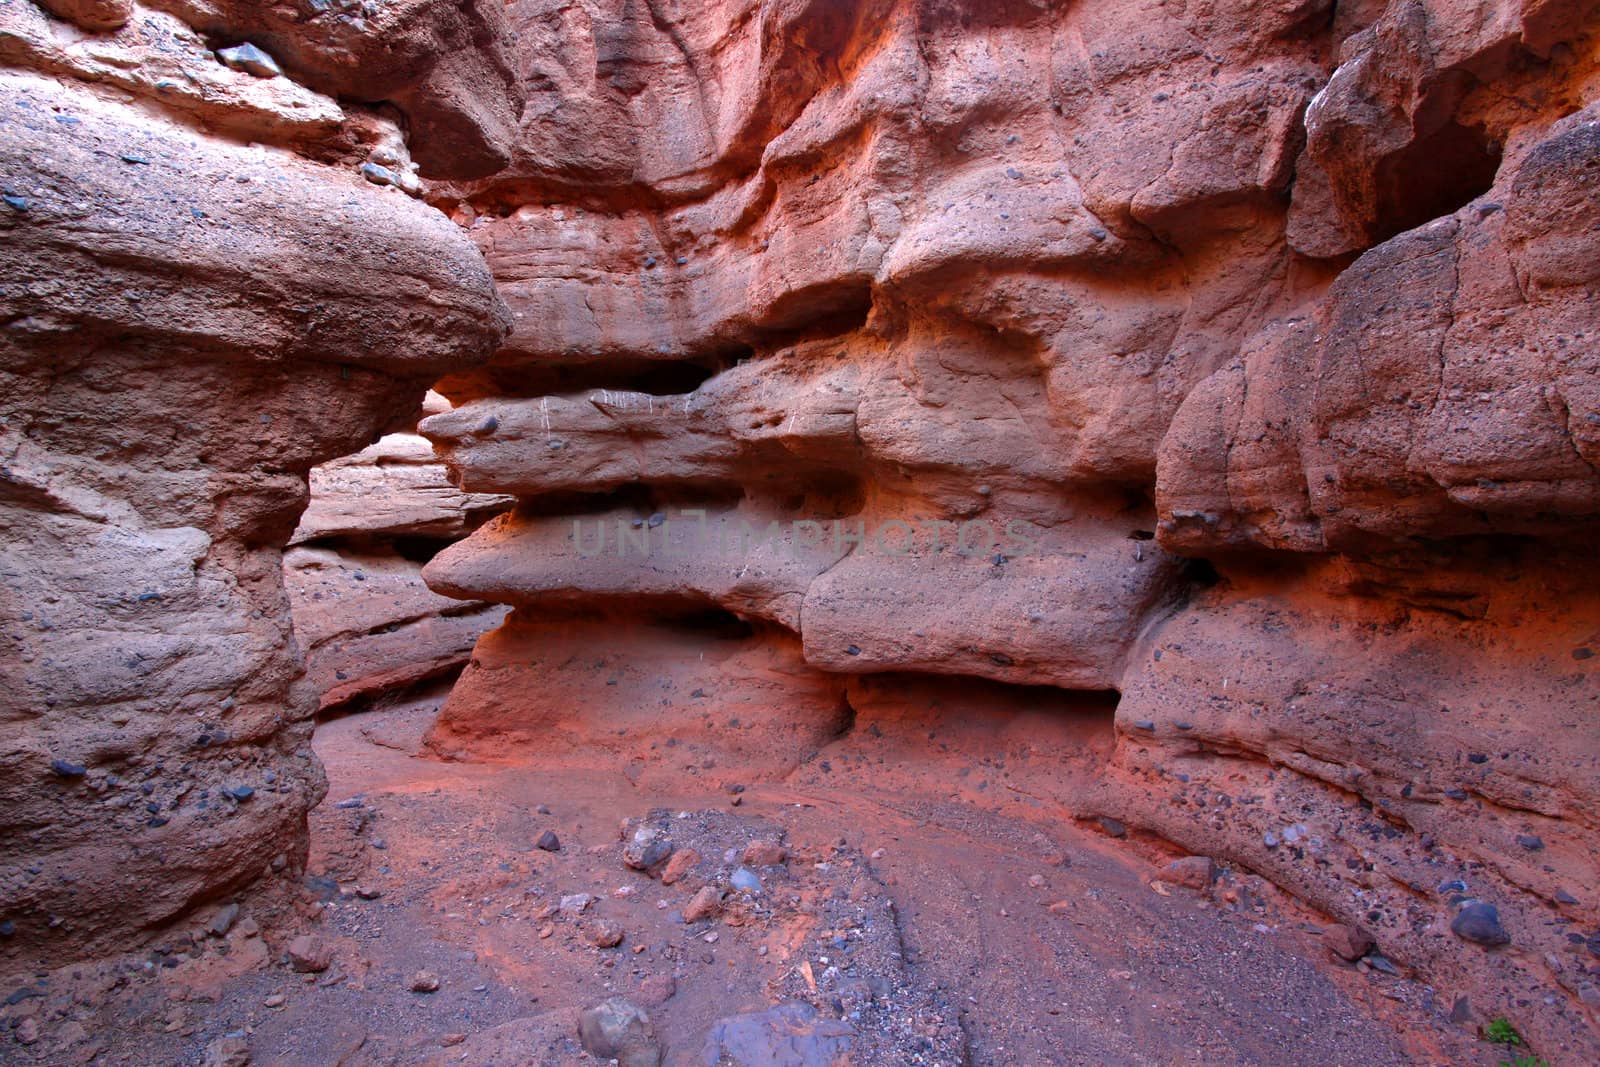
{"x":647,"y":850}
{"x":379,"y":175}
{"x":617,"y":1029}
{"x":747,"y":881}
{"x":250,"y":59}
{"x":1480,"y":923}
{"x":223,"y":920}
{"x":67,"y":769}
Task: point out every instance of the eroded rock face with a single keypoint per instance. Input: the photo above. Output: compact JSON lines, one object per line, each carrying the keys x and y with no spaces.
{"x":369,"y":626}
{"x":1235,"y":358}
{"x":442,"y":63}
{"x":1259,"y":338}
{"x":1442,"y":388}
{"x":672,"y":698}
{"x":1370,"y":733}
{"x":367,"y":623}
{"x":187,"y":325}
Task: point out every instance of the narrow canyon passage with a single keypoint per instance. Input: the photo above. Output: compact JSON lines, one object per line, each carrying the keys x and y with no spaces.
{"x":789,"y":532}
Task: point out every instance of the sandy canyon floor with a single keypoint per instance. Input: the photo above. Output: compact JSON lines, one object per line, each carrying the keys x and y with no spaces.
{"x":921,"y":914}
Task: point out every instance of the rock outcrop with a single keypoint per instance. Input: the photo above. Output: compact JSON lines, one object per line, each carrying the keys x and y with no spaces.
{"x":1236,"y":358}
{"x":367,"y":623}
{"x":203,"y":299}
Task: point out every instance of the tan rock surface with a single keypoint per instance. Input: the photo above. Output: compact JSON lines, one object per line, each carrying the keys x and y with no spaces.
{"x":189,"y":325}
{"x":394,"y":488}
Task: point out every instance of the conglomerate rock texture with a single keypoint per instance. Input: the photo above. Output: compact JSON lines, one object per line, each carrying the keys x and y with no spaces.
{"x":202,"y":299}
{"x":1238,"y":358}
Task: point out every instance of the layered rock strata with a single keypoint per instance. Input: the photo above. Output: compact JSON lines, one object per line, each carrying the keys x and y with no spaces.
{"x":203,"y":299}
{"x":365,"y":620}
{"x":1259,"y":337}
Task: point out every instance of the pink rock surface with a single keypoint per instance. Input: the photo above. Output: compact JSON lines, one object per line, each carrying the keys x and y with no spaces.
{"x":190,"y":325}
{"x":1263,"y":332}
{"x":1442,"y":388}
{"x":443,"y":63}
{"x":368,"y":625}
{"x":394,"y":488}
{"x":1302,"y":291}
{"x":658,"y":701}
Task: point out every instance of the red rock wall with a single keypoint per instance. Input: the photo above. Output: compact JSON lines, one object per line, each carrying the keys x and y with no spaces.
{"x":371,"y":629}
{"x":202,"y":298}
{"x":1268,"y":328}
{"x":1249,"y":346}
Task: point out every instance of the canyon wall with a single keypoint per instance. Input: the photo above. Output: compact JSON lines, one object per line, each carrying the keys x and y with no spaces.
{"x":853,"y":366}
{"x":1236,"y":358}
{"x":204,"y":296}
{"x":370,"y":628}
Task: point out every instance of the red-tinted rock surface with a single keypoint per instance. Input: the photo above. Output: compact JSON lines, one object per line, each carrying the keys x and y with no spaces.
{"x":187,"y":325}
{"x":367,"y":623}
{"x":1239,"y":359}
{"x":1302,"y":292}
{"x":441,"y":62}
{"x":655,"y":700}
{"x":1368,"y":733}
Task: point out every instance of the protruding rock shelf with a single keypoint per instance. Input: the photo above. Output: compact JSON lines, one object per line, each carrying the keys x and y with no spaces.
{"x":368,"y":625}
{"x":808,"y":362}
{"x":1236,"y":358}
